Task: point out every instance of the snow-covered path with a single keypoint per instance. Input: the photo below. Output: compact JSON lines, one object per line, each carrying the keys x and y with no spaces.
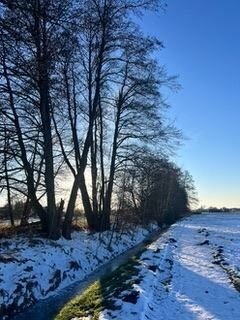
{"x":188,"y":274}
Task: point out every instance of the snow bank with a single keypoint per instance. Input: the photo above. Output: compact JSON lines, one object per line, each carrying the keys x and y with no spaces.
{"x":33,"y":268}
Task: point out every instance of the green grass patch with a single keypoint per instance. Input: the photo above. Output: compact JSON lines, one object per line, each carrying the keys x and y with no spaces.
{"x":100,"y":295}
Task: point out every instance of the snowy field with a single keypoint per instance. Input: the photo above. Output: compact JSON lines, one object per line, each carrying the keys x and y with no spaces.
{"x":34,"y":268}
{"x":191,"y":273}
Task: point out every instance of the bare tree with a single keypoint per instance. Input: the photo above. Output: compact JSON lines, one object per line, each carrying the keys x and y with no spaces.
{"x":81,"y":94}
{"x":28,"y":71}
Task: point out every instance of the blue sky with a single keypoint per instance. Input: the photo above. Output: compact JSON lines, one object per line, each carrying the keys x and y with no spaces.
{"x":202,"y":46}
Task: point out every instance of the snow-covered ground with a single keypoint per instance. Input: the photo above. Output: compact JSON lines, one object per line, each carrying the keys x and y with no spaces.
{"x":190,"y":273}
{"x":34,"y":268}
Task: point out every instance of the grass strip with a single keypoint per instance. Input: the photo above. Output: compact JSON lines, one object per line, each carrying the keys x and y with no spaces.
{"x":101,"y":294}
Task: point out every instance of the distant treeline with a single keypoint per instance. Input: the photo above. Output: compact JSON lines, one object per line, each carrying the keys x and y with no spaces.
{"x":215,"y":209}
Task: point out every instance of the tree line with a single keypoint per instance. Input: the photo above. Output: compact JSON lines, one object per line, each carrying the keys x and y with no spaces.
{"x":81,"y":97}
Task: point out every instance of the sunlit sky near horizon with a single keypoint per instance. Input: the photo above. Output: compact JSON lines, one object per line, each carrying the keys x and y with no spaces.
{"x":202,"y":46}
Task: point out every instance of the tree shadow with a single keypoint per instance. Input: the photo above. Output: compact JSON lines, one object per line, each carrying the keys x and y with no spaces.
{"x":203,"y":295}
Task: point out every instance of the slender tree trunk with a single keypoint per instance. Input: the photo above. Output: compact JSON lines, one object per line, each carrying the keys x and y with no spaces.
{"x":67,"y":224}
{"x":43,"y":82}
{"x":108,"y":196}
{"x":26,"y":212}
{"x":79,"y":182}
{"x":102,"y":192}
{"x":94,"y":171}
{"x":91,"y":217}
{"x":53,"y":218}
{"x":29,"y":171}
{"x":10,"y":209}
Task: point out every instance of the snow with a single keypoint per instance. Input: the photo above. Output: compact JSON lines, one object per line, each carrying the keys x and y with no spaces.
{"x":33,"y":268}
{"x":185,"y":274}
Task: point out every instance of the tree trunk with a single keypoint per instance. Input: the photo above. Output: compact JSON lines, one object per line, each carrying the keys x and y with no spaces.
{"x":25,"y":213}
{"x":108,"y":197}
{"x":79,"y":183}
{"x":43,"y":83}
{"x":67,"y":224}
{"x":94,"y":171}
{"x":10,"y":209}
{"x":29,"y":171}
{"x":102,"y":192}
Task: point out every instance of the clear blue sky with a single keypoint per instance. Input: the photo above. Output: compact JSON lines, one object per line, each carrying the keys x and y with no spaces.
{"x":202,"y":46}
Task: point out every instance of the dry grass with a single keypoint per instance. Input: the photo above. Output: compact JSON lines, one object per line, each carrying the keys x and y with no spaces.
{"x":7,"y":231}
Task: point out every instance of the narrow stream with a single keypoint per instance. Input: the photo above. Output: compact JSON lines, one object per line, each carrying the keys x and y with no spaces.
{"x":48,"y":308}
